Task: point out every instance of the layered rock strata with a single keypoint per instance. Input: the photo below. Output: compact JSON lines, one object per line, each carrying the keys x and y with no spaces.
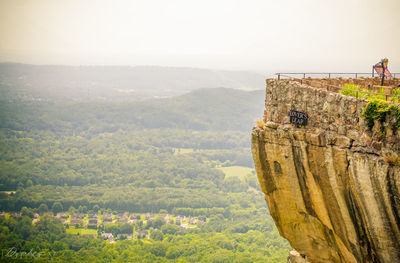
{"x":330,"y":186}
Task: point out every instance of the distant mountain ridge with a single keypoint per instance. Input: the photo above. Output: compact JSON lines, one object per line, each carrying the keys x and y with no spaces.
{"x":119,"y":82}
{"x":203,"y":109}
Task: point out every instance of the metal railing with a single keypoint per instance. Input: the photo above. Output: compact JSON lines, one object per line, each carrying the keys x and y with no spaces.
{"x":330,"y":74}
{"x":329,"y":86}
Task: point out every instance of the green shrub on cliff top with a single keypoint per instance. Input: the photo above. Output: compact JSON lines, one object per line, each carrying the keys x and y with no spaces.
{"x":379,"y":110}
{"x":396,"y":92}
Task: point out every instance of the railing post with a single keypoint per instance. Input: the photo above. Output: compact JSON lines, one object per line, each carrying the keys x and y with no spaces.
{"x":356,"y":75}
{"x":279,"y":76}
{"x":329,"y":75}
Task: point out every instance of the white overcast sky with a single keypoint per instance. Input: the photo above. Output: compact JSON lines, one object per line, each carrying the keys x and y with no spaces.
{"x":262,"y":35}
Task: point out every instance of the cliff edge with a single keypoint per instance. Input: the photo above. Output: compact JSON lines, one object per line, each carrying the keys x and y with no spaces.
{"x":332,"y":186}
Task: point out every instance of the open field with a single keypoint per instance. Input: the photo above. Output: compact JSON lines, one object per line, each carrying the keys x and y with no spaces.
{"x":236,"y":171}
{"x":81,"y":231}
{"x":183,"y":150}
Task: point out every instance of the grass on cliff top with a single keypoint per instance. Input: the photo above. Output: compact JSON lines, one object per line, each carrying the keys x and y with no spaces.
{"x":355,"y":91}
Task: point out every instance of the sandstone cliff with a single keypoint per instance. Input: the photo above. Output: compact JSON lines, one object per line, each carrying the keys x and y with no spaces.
{"x":330,"y":186}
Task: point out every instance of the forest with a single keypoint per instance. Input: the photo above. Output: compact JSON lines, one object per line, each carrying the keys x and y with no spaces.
{"x":155,"y":156}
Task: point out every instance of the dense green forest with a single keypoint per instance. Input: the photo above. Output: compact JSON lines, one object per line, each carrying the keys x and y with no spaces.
{"x":138,"y":157}
{"x":215,"y":244}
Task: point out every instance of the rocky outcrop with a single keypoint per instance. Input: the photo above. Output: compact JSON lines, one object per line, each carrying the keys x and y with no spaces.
{"x":296,"y":257}
{"x":331,"y":186}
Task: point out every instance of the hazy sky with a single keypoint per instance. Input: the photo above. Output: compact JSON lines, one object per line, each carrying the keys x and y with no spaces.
{"x":263,"y":35}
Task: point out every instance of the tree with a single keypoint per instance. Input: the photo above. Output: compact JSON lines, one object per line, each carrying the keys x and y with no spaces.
{"x":24,"y":227}
{"x":49,"y":225}
{"x":234,"y":185}
{"x":82,"y":209}
{"x":170,"y":229}
{"x":59,"y":246}
{"x":27,"y":212}
{"x":96,"y":208}
{"x":126,"y":228}
{"x":173,"y":252}
{"x":158,"y":222}
{"x":156,"y":235}
{"x":158,"y":249}
{"x":72,"y":209}
{"x":43,"y":208}
{"x":240,"y":228}
{"x":57,"y":207}
{"x":113,"y":228}
{"x":29,"y":183}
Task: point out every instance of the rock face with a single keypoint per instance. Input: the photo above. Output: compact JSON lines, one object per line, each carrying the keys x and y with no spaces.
{"x":295,"y":257}
{"x":330,"y":186}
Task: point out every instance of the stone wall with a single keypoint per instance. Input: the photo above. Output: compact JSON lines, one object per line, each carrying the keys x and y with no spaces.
{"x":327,"y":111}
